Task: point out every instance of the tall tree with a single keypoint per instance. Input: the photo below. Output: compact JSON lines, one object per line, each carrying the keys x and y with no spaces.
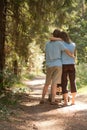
{"x":3,"y":7}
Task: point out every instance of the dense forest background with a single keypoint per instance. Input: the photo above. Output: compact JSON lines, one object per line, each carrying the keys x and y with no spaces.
{"x":26,"y":25}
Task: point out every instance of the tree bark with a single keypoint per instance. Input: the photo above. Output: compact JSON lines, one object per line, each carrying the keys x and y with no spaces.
{"x":15,"y":67}
{"x":3,"y":8}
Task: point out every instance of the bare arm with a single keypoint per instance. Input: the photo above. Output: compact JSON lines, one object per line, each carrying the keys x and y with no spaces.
{"x":69,"y":53}
{"x":55,"y":39}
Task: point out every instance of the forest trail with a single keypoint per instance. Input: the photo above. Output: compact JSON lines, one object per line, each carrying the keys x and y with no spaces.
{"x":30,"y":115}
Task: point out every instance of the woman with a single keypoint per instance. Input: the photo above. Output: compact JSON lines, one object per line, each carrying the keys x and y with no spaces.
{"x":68,"y":64}
{"x":68,"y":71}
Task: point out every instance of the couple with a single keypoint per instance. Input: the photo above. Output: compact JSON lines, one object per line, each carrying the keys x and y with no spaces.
{"x":60,"y":64}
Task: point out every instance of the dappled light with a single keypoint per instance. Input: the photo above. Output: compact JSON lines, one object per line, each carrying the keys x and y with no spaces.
{"x":28,"y":113}
{"x":25,"y":28}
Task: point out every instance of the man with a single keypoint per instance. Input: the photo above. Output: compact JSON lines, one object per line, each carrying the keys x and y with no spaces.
{"x":54,"y":65}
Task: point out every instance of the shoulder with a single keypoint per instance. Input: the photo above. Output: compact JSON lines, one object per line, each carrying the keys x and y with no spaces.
{"x":70,"y":44}
{"x":73,"y":44}
{"x":60,"y":42}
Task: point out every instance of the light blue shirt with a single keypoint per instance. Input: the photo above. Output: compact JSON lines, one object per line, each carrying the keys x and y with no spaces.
{"x":65,"y":58}
{"x":54,"y":53}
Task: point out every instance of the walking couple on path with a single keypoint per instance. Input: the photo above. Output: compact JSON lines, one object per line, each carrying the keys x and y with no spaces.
{"x":60,"y":66}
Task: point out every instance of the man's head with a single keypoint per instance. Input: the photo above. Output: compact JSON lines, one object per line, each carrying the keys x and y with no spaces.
{"x":56,"y":33}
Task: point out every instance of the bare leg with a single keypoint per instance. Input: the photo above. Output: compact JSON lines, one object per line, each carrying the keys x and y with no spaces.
{"x":65,"y":98}
{"x":53,"y":92}
{"x":45,"y":89}
{"x":73,"y":97}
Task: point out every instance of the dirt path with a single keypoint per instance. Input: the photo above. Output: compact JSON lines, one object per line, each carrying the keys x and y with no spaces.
{"x":30,"y":115}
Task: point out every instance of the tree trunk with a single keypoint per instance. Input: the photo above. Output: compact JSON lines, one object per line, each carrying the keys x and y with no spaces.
{"x":3,"y":8}
{"x":15,"y":67}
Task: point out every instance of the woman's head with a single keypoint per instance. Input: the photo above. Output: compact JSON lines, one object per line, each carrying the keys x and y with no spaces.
{"x":65,"y":37}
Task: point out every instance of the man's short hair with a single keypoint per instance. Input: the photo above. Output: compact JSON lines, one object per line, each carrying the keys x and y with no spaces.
{"x":56,"y":33}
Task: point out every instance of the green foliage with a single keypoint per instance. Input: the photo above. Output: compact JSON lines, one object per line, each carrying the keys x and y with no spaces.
{"x":6,"y":100}
{"x":35,"y":58}
{"x":29,"y":24}
{"x":4,"y":112}
{"x":79,"y":36}
{"x":28,"y":75}
{"x":9,"y":79}
{"x":81,"y":75}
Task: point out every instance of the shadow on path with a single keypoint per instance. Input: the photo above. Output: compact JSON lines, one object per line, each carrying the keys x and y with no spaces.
{"x":28,"y":114}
